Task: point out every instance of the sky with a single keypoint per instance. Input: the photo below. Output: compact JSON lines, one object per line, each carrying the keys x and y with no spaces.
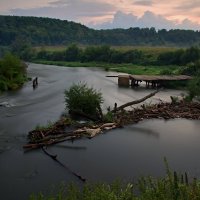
{"x":106,"y":14}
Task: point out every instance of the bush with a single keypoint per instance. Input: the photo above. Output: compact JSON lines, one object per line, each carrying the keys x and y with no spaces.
{"x":82,"y":99}
{"x":194,"y":88}
{"x":12,"y":72}
{"x":166,"y":72}
{"x":191,"y":69}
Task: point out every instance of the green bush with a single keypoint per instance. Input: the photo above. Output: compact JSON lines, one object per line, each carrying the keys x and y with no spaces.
{"x":191,"y":69}
{"x":194,"y":88}
{"x":83,"y":99}
{"x":166,"y":72}
{"x":12,"y":72}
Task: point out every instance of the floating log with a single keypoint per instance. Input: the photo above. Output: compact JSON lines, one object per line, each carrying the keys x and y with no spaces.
{"x":136,"y":101}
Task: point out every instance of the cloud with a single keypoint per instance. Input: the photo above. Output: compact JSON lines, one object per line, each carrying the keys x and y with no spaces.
{"x":111,"y":13}
{"x":120,"y":20}
{"x":188,"y":24}
{"x":68,"y":9}
{"x":143,"y":3}
{"x":188,"y":5}
{"x":147,"y":20}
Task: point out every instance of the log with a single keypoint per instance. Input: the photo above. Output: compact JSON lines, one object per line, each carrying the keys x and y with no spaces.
{"x":135,"y":102}
{"x":92,"y":132}
{"x":49,"y":142}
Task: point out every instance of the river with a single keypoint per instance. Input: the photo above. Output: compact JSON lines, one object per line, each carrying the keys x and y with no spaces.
{"x":123,"y":153}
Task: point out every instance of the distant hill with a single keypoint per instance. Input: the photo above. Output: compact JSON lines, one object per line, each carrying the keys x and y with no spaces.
{"x":47,"y":31}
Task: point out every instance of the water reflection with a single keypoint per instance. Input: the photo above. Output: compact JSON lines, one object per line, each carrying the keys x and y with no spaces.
{"x":142,"y":130}
{"x":77,"y":148}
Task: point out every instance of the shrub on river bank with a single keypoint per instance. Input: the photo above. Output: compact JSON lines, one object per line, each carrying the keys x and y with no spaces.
{"x":12,"y":73}
{"x":194,"y":88}
{"x":84,"y":100}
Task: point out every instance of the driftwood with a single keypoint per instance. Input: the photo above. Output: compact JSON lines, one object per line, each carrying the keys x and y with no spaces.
{"x":47,"y":143}
{"x":135,"y":102}
{"x":57,"y":132}
{"x":89,"y":132}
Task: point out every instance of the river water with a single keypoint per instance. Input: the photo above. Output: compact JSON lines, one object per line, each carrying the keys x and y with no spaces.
{"x":123,"y":153}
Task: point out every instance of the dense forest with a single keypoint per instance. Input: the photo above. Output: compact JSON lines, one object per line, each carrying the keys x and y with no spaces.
{"x":46,"y":31}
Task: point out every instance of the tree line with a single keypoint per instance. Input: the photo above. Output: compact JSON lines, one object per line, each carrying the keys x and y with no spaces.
{"x":46,"y":31}
{"x":188,"y":58}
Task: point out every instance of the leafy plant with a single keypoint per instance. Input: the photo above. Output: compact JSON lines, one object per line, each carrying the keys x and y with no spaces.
{"x":83,"y":99}
{"x":108,"y":117}
{"x":12,"y":72}
{"x":194,"y":88}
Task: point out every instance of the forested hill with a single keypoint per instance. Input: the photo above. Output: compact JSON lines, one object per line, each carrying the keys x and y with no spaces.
{"x":46,"y":31}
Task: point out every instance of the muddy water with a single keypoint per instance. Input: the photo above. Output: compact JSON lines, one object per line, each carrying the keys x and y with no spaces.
{"x":124,"y":153}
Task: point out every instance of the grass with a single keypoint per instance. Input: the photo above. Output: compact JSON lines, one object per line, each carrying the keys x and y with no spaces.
{"x":173,"y":186}
{"x":125,"y":68}
{"x":71,"y":64}
{"x":145,"y":49}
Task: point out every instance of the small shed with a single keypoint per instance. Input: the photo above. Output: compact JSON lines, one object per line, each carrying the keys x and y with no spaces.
{"x":124,"y":80}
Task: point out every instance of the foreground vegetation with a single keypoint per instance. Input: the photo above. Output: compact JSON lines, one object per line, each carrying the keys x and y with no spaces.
{"x":173,"y":186}
{"x":12,"y":73}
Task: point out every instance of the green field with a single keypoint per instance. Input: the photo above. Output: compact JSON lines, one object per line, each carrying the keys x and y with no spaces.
{"x":125,"y":68}
{"x":145,"y":49}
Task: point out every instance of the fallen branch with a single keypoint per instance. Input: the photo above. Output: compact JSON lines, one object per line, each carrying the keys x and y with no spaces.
{"x":48,"y":143}
{"x":89,"y":132}
{"x":135,"y":102}
{"x":54,"y":157}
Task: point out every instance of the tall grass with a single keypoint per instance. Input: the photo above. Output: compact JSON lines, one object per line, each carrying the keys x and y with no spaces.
{"x":173,"y":186}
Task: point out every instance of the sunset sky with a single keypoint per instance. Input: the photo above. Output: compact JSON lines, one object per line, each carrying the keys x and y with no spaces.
{"x":184,"y":14}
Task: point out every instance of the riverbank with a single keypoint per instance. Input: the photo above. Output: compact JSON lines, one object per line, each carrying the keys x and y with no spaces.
{"x":124,"y":67}
{"x":13,"y":73}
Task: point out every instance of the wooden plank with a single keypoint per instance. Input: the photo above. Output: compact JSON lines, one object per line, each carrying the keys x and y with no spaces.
{"x":160,"y":78}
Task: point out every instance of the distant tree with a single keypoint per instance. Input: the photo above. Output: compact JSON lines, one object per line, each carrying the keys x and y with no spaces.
{"x":194,"y":88}
{"x":116,"y":57}
{"x":42,"y":54}
{"x":132,"y":56}
{"x":191,"y":69}
{"x":22,"y":48}
{"x":72,"y":53}
{"x":191,"y":55}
